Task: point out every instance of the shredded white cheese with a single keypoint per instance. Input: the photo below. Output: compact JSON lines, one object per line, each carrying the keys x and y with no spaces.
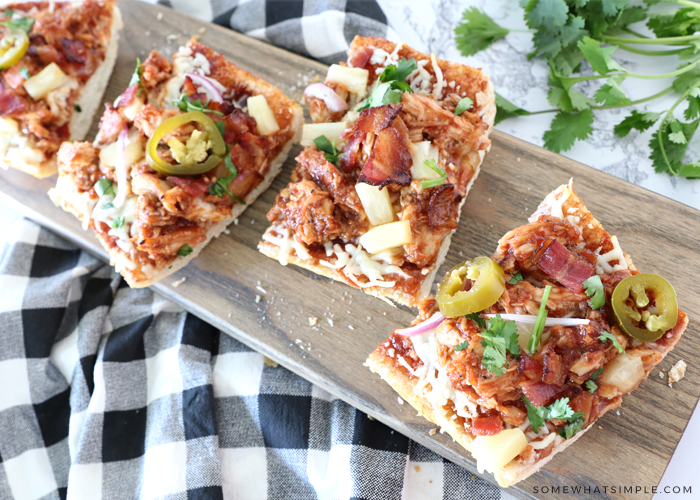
{"x":440,"y":84}
{"x":543,"y":443}
{"x":603,"y":264}
{"x":285,"y":242}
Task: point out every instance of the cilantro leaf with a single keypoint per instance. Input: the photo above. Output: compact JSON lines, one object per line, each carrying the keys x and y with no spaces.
{"x":9,"y":12}
{"x":22,"y":23}
{"x":539,"y":322}
{"x":605,"y":336}
{"x":685,"y":80}
{"x":501,"y":336}
{"x":220,"y":187}
{"x":535,"y":415}
{"x":78,"y":108}
{"x":548,"y":14}
{"x":593,"y":287}
{"x":693,"y":109}
{"x":184,"y":250}
{"x":591,"y":386}
{"x":676,"y":134}
{"x":434,"y":182}
{"x":107,"y":206}
{"x":598,"y":56}
{"x":597,"y":373}
{"x":572,"y":428}
{"x":184,"y":103}
{"x":323,"y":144}
{"x":464,"y":104}
{"x":25,"y":73}
{"x":563,"y":96}
{"x":118,"y":222}
{"x":477,"y":319}
{"x":506,"y":109}
{"x":675,"y":151}
{"x":637,"y":121}
{"x":136,"y":77}
{"x":611,"y":94}
{"x":515,"y":278}
{"x":690,"y":170}
{"x":560,"y":410}
{"x":104,"y":187}
{"x":682,"y":22}
{"x":462,"y":346}
{"x":477,"y":32}
{"x":221,"y":127}
{"x":566,"y":128}
{"x":390,"y":85}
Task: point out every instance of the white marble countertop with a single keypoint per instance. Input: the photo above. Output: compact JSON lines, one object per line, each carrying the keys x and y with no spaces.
{"x":429,"y":26}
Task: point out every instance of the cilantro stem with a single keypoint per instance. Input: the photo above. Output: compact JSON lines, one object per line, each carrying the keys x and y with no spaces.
{"x":650,"y":52}
{"x":632,"y":32}
{"x":674,"y":40}
{"x":626,"y":74}
{"x":638,"y":101}
{"x":668,"y":114}
{"x":687,"y":4}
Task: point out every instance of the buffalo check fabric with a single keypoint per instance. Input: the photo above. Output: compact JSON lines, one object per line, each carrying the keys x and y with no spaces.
{"x":322,"y":29}
{"x":112,"y":393}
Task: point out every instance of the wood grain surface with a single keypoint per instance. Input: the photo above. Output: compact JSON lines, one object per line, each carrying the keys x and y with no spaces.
{"x":268,"y":306}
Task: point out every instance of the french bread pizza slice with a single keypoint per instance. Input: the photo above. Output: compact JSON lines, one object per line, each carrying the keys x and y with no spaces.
{"x":519,"y":354}
{"x":398,"y":140}
{"x":178,"y":156}
{"x":55,"y":61}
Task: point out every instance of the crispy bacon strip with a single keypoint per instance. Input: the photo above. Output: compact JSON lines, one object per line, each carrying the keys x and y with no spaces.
{"x":564,"y":266}
{"x":10,"y":103}
{"x":193,"y":187}
{"x":74,"y":50}
{"x":541,"y":394}
{"x":358,"y":58}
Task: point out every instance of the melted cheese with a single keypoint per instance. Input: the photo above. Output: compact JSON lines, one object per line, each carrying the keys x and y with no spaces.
{"x":82,"y":202}
{"x":603,"y":264}
{"x":108,"y":215}
{"x":434,"y":383}
{"x":183,"y":62}
{"x":440,"y":84}
{"x":285,"y":242}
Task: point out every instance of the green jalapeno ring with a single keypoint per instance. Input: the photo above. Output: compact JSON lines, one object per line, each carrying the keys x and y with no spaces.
{"x":218,"y":146}
{"x":488,"y":286}
{"x":630,"y":295}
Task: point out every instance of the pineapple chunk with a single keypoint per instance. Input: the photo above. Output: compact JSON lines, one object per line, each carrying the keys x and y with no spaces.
{"x":493,"y":452}
{"x":387,"y":236}
{"x":424,"y":151}
{"x":133,"y":109}
{"x":353,"y":79}
{"x":8,"y":126}
{"x":376,"y":203}
{"x":133,"y":152}
{"x":259,"y":109}
{"x":311,"y":131}
{"x":624,"y":372}
{"x":46,"y":80}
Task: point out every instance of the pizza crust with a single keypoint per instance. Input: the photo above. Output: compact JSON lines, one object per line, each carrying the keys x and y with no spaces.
{"x":488,"y":100}
{"x":89,"y":100}
{"x":403,"y":383}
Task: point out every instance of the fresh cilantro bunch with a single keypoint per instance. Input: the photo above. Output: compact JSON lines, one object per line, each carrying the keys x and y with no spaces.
{"x":220,"y":187}
{"x":390,"y":85}
{"x":567,"y":32}
{"x":500,"y":338}
{"x":184,"y":103}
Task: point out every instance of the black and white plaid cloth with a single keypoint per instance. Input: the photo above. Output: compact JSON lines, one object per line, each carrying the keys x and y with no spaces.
{"x":112,"y":393}
{"x":115,"y":393}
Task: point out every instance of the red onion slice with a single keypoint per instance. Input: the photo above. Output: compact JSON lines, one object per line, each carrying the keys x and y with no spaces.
{"x":212,"y":88}
{"x":428,"y":324}
{"x":332,"y":100}
{"x":527,"y":318}
{"x":120,"y":167}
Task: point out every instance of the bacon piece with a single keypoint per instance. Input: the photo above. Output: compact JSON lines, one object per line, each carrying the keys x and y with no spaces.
{"x":74,"y":50}
{"x":48,"y":54}
{"x":193,"y":187}
{"x":245,"y":182}
{"x":359,"y":58}
{"x":10,"y":103}
{"x":442,"y":209}
{"x":127,"y":96}
{"x":13,"y":78}
{"x":348,"y":159}
{"x":236,"y":124}
{"x":389,"y":162}
{"x":377,"y":119}
{"x":541,"y":394}
{"x":582,"y":404}
{"x":564,"y":266}
{"x":530,"y":367}
{"x":487,"y":426}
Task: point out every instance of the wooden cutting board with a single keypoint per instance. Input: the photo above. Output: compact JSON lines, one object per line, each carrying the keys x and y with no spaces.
{"x":270,"y":307}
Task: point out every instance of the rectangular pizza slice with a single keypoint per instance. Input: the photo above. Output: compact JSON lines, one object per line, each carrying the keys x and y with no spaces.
{"x":179,"y":155}
{"x":377,"y":192}
{"x":519,"y":354}
{"x":56,"y":59}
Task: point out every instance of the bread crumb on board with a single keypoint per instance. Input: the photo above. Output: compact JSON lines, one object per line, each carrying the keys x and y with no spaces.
{"x":313,"y":321}
{"x":433,"y":431}
{"x":182,"y":280}
{"x":677,"y":372}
